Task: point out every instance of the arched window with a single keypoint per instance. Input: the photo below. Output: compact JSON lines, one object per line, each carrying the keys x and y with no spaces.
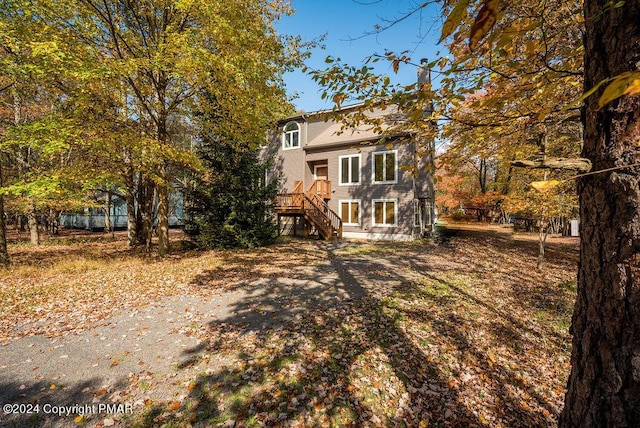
{"x":291,"y":136}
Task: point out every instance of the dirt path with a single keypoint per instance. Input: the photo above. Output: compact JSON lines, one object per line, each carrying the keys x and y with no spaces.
{"x":149,"y":347}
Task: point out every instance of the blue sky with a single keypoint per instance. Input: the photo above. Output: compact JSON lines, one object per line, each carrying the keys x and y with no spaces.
{"x":345,"y":22}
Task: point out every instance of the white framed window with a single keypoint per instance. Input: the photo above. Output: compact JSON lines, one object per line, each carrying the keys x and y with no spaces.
{"x":417,"y":213}
{"x":349,"y":169}
{"x":385,"y":212}
{"x":385,"y":166}
{"x":422,"y":210}
{"x":291,"y":136}
{"x":350,"y":212}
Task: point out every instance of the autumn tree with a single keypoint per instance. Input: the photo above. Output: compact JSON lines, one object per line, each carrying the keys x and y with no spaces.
{"x":132,"y":74}
{"x":543,"y":56}
{"x":35,"y":137}
{"x":604,"y":385}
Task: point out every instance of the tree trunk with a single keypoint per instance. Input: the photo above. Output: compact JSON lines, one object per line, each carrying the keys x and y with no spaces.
{"x":32,"y":221}
{"x":543,"y":232}
{"x":107,"y":213}
{"x":4,"y":254}
{"x":130,"y":199}
{"x":144,"y":218}
{"x":132,"y":225}
{"x":482,"y":176}
{"x":54,"y":217}
{"x":163,"y":190}
{"x":604,"y":385}
{"x":163,"y":220}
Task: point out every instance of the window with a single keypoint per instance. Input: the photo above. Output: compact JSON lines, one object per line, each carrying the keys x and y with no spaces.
{"x":385,"y":212}
{"x":422,"y":212}
{"x":349,"y":169}
{"x":417,"y":213}
{"x":350,"y":212}
{"x":291,"y":136}
{"x":385,"y":166}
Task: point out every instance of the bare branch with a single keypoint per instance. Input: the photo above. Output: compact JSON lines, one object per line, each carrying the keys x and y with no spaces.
{"x":577,"y":164}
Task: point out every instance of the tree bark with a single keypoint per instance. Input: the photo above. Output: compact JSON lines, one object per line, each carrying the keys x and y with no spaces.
{"x":163,"y":187}
{"x":132,"y":224}
{"x":145,"y":210}
{"x":107,"y":213}
{"x":4,"y":254}
{"x":32,"y":221}
{"x":163,"y":220}
{"x":130,"y":199}
{"x":604,"y":385}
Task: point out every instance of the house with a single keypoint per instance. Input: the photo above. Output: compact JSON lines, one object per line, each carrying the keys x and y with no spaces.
{"x":94,"y":218}
{"x":352,"y":183}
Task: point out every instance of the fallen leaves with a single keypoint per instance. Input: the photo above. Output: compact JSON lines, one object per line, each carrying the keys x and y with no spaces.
{"x":42,"y":300}
{"x":420,"y":335}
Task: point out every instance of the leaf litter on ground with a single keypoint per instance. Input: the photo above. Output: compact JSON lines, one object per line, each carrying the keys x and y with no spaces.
{"x":463,"y":332}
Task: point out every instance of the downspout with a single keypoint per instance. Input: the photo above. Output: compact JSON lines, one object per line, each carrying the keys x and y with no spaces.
{"x":304,"y":153}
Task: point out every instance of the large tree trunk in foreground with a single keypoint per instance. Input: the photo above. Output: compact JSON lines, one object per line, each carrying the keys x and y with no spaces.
{"x":604,"y":385}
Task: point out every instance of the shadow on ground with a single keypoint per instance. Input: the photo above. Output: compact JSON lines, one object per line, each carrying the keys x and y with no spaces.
{"x":341,"y":335}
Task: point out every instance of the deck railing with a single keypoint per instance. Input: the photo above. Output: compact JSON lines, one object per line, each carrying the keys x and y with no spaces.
{"x":290,"y":202}
{"x":320,"y":187}
{"x":313,"y":206}
{"x":334,"y":220}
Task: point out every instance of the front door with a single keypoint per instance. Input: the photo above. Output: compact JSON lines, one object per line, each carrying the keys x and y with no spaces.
{"x":321,"y":172}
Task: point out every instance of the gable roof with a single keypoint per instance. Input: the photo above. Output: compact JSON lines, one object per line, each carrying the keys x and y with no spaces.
{"x":324,"y":129}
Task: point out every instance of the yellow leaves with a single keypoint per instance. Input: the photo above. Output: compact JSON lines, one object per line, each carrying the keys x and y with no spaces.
{"x":339,"y":98}
{"x":624,"y":84}
{"x":453,"y":20}
{"x":543,"y":186}
{"x":484,"y":22}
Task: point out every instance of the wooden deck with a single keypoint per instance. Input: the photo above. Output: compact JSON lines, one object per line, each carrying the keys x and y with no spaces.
{"x":312,"y":207}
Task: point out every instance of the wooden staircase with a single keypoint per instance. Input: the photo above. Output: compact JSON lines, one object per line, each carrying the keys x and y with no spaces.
{"x":311,"y":206}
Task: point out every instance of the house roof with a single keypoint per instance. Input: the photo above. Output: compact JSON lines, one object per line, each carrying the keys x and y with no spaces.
{"x":334,"y":134}
{"x":324,"y":130}
{"x":305,"y":115}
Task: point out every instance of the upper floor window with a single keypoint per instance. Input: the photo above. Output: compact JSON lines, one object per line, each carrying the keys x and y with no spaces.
{"x":385,"y":167}
{"x":349,"y":169}
{"x":291,"y":136}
